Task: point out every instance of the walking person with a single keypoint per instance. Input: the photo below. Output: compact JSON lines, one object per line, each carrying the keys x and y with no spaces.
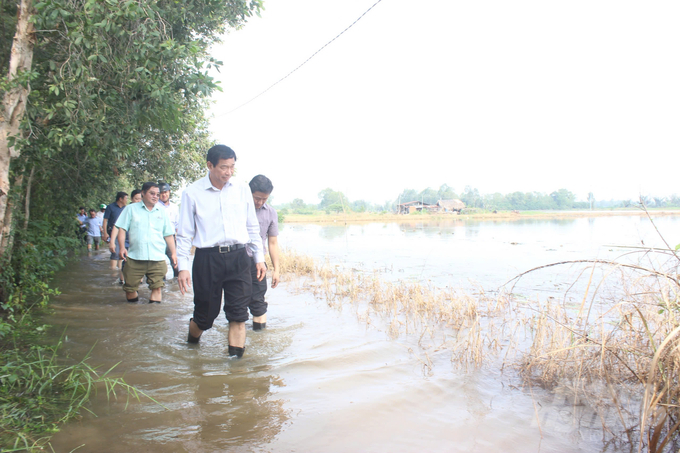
{"x":102,"y":210}
{"x":217,"y":216}
{"x":135,"y":197}
{"x":150,"y":232}
{"x":110,"y":216}
{"x":173,"y":213}
{"x":81,"y":218}
{"x":94,"y":230}
{"x":261,"y":188}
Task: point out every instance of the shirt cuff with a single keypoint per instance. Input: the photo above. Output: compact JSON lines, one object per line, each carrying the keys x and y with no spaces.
{"x":183,"y":264}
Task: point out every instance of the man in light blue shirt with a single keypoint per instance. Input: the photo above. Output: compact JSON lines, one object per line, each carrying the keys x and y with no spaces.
{"x":150,"y":232}
{"x":94,"y":230}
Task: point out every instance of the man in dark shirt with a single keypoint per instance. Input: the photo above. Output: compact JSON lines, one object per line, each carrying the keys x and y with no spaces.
{"x":110,"y":216}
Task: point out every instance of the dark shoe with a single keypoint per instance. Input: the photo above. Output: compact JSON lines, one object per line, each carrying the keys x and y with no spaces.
{"x":192,"y":339}
{"x":136,"y":299}
{"x":259,"y":325}
{"x":154,"y":301}
{"x":236,"y":351}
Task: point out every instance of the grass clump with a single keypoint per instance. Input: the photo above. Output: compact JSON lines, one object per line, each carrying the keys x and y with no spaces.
{"x":38,"y":392}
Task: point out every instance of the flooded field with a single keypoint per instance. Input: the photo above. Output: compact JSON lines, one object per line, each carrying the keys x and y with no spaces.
{"x":321,"y":378}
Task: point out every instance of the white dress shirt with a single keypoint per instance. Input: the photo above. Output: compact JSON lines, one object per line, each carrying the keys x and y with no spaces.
{"x":172,"y":211}
{"x":209,"y":217}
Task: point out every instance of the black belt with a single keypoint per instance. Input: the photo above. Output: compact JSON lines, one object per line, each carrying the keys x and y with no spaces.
{"x":221,"y":248}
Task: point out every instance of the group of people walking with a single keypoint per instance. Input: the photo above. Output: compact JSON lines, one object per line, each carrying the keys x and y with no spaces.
{"x":226,"y":223}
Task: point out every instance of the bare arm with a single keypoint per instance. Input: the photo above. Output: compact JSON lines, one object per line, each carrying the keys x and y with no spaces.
{"x":170,"y":240}
{"x":121,"y":243}
{"x":105,"y":236}
{"x":273,"y":242}
{"x":114,"y":237}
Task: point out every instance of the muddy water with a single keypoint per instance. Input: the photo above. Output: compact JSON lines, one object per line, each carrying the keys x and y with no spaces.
{"x":318,"y":378}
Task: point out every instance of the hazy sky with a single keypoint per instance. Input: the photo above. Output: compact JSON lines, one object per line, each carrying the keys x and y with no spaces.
{"x":500,"y":95}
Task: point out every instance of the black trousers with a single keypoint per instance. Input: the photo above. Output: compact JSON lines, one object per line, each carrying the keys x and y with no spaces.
{"x":215,"y":274}
{"x":257,"y":305}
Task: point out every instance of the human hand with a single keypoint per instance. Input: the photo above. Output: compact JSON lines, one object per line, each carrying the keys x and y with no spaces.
{"x":184,"y":281}
{"x":261,"y":271}
{"x":275,"y":278}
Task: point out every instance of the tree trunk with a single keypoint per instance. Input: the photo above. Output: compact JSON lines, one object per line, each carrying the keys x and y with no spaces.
{"x":14,"y":106}
{"x":7,"y":238}
{"x":27,"y":211}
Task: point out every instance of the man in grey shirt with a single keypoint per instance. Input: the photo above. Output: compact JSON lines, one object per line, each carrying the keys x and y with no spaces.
{"x":262,"y":187}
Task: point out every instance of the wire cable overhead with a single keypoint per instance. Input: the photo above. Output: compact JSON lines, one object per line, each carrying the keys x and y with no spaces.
{"x":301,"y":64}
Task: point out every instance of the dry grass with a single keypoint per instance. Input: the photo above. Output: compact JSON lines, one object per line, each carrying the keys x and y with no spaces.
{"x":609,"y":349}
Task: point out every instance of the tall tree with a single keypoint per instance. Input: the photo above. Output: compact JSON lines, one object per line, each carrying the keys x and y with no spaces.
{"x":119,"y":90}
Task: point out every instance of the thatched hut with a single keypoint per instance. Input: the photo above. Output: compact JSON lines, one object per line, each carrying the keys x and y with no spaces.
{"x":450,"y":205}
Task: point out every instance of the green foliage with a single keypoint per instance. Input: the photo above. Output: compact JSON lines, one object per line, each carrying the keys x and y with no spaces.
{"x":118,"y":94}
{"x":37,"y":393}
{"x":37,"y":255}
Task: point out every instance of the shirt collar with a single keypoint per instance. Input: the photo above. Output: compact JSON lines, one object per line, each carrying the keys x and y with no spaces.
{"x":143,"y":206}
{"x":207,"y":184}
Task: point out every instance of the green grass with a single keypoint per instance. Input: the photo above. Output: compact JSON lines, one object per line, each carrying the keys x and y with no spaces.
{"x":38,"y":393}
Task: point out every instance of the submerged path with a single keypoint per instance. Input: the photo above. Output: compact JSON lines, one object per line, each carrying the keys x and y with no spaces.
{"x":316,"y":380}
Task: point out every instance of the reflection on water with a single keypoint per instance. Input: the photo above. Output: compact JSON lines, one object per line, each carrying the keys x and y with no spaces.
{"x":319,"y":379}
{"x":457,"y":253}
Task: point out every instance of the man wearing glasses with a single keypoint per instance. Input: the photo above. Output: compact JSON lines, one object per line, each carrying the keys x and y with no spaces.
{"x":150,"y":232}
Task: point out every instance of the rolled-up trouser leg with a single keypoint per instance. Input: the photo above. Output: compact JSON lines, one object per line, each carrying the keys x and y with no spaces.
{"x":214,"y":273}
{"x":257,"y":305}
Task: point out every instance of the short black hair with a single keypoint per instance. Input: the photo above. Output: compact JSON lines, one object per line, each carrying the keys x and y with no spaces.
{"x":121,"y":195}
{"x":148,"y":185}
{"x":218,"y":152}
{"x":80,"y":208}
{"x":92,"y":210}
{"x":135,"y":192}
{"x":261,"y":183}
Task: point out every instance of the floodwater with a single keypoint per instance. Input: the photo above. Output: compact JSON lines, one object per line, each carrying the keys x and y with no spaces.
{"x":320,"y":379}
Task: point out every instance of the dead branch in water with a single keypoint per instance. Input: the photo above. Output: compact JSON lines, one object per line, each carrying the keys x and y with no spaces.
{"x":609,"y":263}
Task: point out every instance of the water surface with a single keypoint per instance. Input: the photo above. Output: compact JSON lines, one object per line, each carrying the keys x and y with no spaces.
{"x":319,"y":378}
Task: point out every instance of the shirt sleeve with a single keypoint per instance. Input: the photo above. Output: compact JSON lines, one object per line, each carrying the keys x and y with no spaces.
{"x":253,"y":226}
{"x":123,"y":220}
{"x":273,"y":229}
{"x":186,"y":229}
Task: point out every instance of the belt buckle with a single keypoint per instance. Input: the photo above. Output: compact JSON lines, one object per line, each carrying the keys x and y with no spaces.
{"x":225,"y":248}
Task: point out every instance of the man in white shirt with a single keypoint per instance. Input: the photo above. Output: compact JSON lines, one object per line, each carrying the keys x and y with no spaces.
{"x":217,"y":216}
{"x":172,"y":211}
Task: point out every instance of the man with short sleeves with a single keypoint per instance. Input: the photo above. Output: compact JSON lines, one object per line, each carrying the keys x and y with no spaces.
{"x":94,"y":230}
{"x":150,"y":232}
{"x":217,"y":216}
{"x":262,"y":187}
{"x":82,"y":228}
{"x":110,"y":216}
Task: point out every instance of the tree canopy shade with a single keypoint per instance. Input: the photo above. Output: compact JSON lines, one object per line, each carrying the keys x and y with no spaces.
{"x":118,"y":91}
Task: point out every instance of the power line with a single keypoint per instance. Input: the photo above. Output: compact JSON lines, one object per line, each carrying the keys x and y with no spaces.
{"x":302,"y":64}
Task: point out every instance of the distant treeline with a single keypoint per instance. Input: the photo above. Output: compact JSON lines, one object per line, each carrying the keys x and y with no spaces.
{"x":562,"y":199}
